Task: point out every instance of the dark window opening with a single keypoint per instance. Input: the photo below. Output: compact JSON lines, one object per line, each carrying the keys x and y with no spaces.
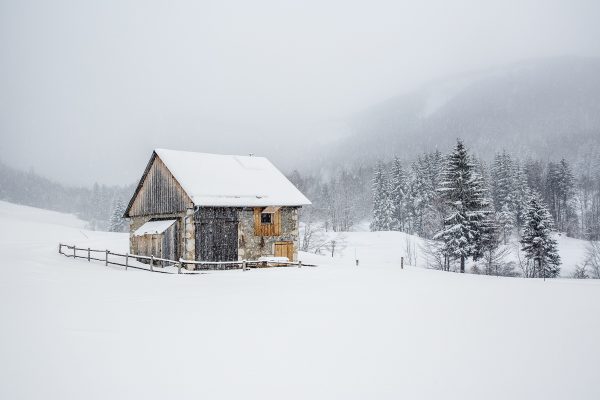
{"x":266,"y":218}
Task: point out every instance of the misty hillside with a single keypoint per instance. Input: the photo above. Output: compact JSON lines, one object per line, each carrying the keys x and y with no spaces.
{"x":94,"y":204}
{"x":541,"y":108}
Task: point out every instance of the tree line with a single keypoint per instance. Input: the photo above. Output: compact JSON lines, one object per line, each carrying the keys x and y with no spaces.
{"x":471,"y":208}
{"x":102,"y":206}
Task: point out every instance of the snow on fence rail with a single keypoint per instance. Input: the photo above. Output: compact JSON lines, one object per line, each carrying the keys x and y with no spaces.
{"x":198,"y":265}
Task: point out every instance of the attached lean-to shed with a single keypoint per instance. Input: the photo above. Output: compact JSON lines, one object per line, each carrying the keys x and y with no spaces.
{"x":156,"y":237}
{"x":209,"y":207}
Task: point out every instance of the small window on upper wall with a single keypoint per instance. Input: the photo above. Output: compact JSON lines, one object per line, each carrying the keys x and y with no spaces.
{"x":266,"y":218}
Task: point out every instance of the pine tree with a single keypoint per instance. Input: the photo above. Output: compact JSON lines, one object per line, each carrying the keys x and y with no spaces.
{"x":411,"y":207}
{"x":502,"y":181}
{"x":566,"y":186}
{"x":506,"y":221}
{"x":537,"y":242}
{"x":388,"y":205}
{"x":420,"y":195}
{"x":398,"y":189}
{"x":382,"y":204}
{"x":521,"y":195}
{"x":117,"y":222}
{"x":463,"y":192}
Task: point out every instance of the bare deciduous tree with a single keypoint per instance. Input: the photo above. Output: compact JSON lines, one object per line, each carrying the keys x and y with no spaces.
{"x":410,"y":249}
{"x":592,"y":260}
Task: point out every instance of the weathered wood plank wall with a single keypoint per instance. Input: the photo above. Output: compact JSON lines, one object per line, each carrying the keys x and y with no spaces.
{"x":165,"y":245}
{"x":147,"y":245}
{"x":160,"y":193}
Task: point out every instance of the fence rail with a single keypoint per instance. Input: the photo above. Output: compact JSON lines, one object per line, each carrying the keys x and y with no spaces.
{"x":157,"y":264}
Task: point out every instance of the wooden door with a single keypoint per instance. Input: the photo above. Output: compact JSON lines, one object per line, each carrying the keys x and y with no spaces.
{"x":216,"y":234}
{"x":285,"y":249}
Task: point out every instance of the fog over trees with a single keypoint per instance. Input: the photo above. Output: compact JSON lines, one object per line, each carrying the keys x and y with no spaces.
{"x":470,"y":205}
{"x":404,"y":194}
{"x":98,"y":205}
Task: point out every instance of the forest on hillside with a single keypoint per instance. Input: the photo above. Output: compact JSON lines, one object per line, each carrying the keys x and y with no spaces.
{"x":344,"y":197}
{"x":100,"y":205}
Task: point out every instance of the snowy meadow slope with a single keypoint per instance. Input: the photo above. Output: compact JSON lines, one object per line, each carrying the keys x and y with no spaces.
{"x":83,"y":330}
{"x":387,"y":247}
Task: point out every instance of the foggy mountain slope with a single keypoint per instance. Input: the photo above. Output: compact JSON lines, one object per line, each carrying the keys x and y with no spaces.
{"x":530,"y":108}
{"x":94,"y":204}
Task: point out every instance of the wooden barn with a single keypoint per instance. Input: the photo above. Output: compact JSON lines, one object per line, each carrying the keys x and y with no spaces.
{"x":209,"y":207}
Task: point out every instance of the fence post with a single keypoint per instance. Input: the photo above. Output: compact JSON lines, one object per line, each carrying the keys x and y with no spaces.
{"x":106,"y":258}
{"x":126,"y":261}
{"x":244,"y":266}
{"x":401,"y":262}
{"x":88,"y":254}
{"x":299,"y":264}
{"x":179,"y":267}
{"x":60,"y":248}
{"x":152,"y":263}
{"x":74,"y":254}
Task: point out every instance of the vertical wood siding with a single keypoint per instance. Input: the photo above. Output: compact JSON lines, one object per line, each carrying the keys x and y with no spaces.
{"x":159,"y":193}
{"x":284,"y":249}
{"x":273,"y":229}
{"x":165,"y":245}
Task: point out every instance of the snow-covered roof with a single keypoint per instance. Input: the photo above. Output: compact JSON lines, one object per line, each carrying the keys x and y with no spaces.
{"x":154,"y":227}
{"x":230,"y":181}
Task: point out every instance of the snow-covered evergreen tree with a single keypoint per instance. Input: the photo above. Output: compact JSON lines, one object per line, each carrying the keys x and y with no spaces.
{"x":420,"y":195}
{"x":383,"y":208}
{"x":537,"y":242}
{"x":410,"y":200}
{"x":117,"y":222}
{"x":431,"y":167}
{"x":559,"y":193}
{"x":521,"y":195}
{"x":463,"y":192}
{"x":398,"y":189}
{"x":506,"y":222}
{"x":502,"y":181}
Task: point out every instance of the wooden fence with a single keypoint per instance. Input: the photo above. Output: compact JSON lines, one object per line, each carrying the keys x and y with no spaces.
{"x":157,"y":264}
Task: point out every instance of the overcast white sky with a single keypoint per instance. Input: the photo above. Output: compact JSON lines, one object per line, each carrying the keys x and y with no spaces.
{"x":88,"y":88}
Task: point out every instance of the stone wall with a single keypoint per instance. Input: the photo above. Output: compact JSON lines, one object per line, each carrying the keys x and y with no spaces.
{"x":189,"y":237}
{"x":252,"y":247}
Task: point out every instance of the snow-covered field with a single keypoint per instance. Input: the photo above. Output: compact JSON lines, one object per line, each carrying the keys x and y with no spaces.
{"x":73,"y":330}
{"x":388,"y":247}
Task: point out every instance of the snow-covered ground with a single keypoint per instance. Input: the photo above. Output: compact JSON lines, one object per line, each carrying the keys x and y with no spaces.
{"x":389,"y":247}
{"x":73,"y":329}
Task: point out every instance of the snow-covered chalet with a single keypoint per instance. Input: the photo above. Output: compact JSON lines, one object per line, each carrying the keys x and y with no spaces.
{"x":209,"y":207}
